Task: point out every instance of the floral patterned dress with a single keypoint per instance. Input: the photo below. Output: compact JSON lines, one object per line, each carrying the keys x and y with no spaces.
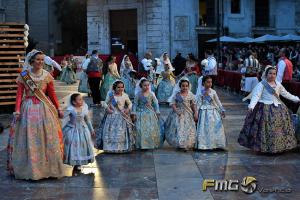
{"x":115,"y":134}
{"x":180,"y":130}
{"x":37,"y":152}
{"x":148,"y":135}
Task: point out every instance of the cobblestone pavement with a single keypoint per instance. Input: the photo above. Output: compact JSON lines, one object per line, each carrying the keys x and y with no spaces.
{"x":166,"y":174}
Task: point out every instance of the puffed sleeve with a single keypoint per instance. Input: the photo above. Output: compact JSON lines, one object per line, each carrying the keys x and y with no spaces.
{"x":89,"y":123}
{"x":256,"y":94}
{"x":19,"y":96}
{"x":219,"y":104}
{"x":128,"y":102}
{"x":155,"y":103}
{"x":52,"y":94}
{"x":172,"y":100}
{"x":288,"y":95}
{"x":192,"y":98}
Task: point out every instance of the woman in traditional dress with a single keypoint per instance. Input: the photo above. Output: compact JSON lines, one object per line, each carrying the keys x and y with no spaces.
{"x":191,"y":71}
{"x":78,"y":144}
{"x":37,"y":149}
{"x":146,"y":113}
{"x":69,"y":76}
{"x":268,"y":127}
{"x":111,"y":74}
{"x":115,"y":134}
{"x":210,"y":130}
{"x":180,"y":126}
{"x":127,"y":72}
{"x":83,"y":86}
{"x":166,"y":85}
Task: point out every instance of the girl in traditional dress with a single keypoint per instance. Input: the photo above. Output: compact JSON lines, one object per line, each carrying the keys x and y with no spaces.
{"x":127,"y":73}
{"x":180,"y":126}
{"x":83,"y":86}
{"x":268,"y":127}
{"x":210,"y":130}
{"x":78,"y":144}
{"x":146,"y":113}
{"x":111,"y":74}
{"x":70,"y":76}
{"x":37,"y":150}
{"x":193,"y":78}
{"x":166,"y":85}
{"x":115,"y":133}
{"x":63,"y":65}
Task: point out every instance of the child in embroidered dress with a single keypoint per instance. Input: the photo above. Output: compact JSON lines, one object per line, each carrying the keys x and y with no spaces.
{"x":210,"y":130}
{"x":78,"y":132}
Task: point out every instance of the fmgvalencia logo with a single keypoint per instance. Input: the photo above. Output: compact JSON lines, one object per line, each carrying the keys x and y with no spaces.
{"x":248,"y":184}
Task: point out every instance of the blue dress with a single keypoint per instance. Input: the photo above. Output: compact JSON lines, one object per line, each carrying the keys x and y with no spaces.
{"x":180,"y":130}
{"x":148,"y":135}
{"x":129,"y":82}
{"x":165,"y":87}
{"x":210,"y":130}
{"x":115,"y":134}
{"x":78,"y":144}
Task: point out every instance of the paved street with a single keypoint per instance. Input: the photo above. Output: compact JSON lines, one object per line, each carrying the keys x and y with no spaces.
{"x":165,"y":174}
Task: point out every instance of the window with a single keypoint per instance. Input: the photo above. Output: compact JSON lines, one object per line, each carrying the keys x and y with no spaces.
{"x":235,"y":6}
{"x":207,"y":12}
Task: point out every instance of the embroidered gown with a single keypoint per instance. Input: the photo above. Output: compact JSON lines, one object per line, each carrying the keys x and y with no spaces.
{"x":78,"y":144}
{"x":148,"y":134}
{"x":268,"y":128}
{"x":37,"y":147}
{"x":69,"y":76}
{"x":210,"y":130}
{"x":165,"y":87}
{"x":115,"y":134}
{"x":180,"y":131}
{"x":109,"y":79}
{"x":83,"y":86}
{"x":128,"y":81}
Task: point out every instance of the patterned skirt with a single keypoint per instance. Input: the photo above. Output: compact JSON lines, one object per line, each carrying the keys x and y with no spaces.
{"x":210,"y":130}
{"x":129,"y":87}
{"x":83,"y":84}
{"x":148,"y":131}
{"x":164,"y":90}
{"x":114,"y":134}
{"x":268,"y":129}
{"x":78,"y":145}
{"x":106,"y":85}
{"x":180,"y":131}
{"x":69,"y":77}
{"x":36,"y":150}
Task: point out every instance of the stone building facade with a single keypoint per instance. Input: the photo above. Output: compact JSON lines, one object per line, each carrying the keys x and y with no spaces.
{"x":162,"y":25}
{"x":177,"y":25}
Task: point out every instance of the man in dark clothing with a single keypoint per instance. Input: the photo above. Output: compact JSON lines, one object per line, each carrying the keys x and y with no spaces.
{"x":179,"y":64}
{"x":93,"y":68}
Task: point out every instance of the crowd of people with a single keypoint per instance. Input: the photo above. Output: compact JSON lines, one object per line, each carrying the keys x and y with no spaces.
{"x":233,"y":57}
{"x":39,"y":147}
